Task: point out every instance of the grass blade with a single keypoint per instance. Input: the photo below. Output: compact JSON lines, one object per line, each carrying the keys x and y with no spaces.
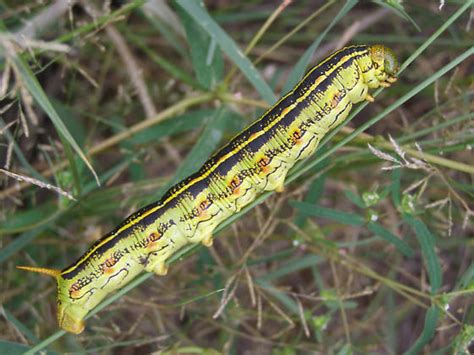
{"x":427,"y":242}
{"x":8,"y":347}
{"x":28,"y":334}
{"x":179,"y":124}
{"x":354,"y":198}
{"x":173,"y":70}
{"x":395,"y":187}
{"x":466,"y":280}
{"x":388,"y":236}
{"x":314,"y":193}
{"x":228,"y":45}
{"x":292,"y":267}
{"x":19,"y":243}
{"x":397,"y":7}
{"x":435,"y":35}
{"x":281,"y":296}
{"x":318,"y":211}
{"x":302,"y":64}
{"x":35,"y":89}
{"x":21,"y":157}
{"x":428,"y":331}
{"x":207,"y":143}
{"x":205,"y":55}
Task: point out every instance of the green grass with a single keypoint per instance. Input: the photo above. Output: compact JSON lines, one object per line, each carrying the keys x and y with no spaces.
{"x":351,"y":258}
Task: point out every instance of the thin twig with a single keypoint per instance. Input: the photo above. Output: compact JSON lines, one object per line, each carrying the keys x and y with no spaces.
{"x":227,"y":295}
{"x":47,"y":17}
{"x":39,"y":183}
{"x":303,"y":318}
{"x":296,"y":29}
{"x":136,"y":77}
{"x":161,"y":10}
{"x":283,"y":5}
{"x":357,"y":27}
{"x":341,"y":303}
{"x":132,"y":67}
{"x":26,"y":43}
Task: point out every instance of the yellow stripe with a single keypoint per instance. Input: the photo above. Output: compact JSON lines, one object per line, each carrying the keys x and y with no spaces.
{"x":285,"y":112}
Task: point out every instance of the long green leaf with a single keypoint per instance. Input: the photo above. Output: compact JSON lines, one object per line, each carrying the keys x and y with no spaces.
{"x":179,"y":124}
{"x":205,"y":55}
{"x":207,"y":143}
{"x":388,"y":236}
{"x":228,"y":45}
{"x":427,"y":242}
{"x":466,"y":280}
{"x":395,"y":193}
{"x":281,"y":296}
{"x":19,"y":326}
{"x":429,"y":329}
{"x":318,"y":211}
{"x":397,"y":7}
{"x":19,"y":154}
{"x":171,"y":68}
{"x":291,"y":267}
{"x":315,"y":191}
{"x":35,"y":89}
{"x":300,"y":67}
{"x":11,"y":348}
{"x":19,"y":243}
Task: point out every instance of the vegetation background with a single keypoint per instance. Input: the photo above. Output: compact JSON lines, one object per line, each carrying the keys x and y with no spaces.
{"x":368,"y":250}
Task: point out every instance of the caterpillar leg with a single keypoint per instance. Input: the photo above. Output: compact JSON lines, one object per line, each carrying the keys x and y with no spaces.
{"x":160,"y":268}
{"x":369,"y":98}
{"x":157,"y":267}
{"x":277,"y":182}
{"x":280,"y":187}
{"x":207,"y":240}
{"x":71,"y":324}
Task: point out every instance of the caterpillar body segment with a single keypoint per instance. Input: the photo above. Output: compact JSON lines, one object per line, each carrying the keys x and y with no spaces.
{"x":256,"y":160}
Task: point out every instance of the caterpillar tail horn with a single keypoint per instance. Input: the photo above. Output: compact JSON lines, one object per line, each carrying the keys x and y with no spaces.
{"x":41,"y":270}
{"x":70,"y":316}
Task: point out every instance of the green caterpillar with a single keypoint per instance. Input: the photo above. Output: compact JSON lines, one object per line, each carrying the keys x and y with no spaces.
{"x":256,"y":160}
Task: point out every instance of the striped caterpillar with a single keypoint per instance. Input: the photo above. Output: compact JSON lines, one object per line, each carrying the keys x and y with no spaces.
{"x":256,"y":160}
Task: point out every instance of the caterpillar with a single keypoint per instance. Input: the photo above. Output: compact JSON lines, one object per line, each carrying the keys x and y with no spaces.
{"x":254,"y":161}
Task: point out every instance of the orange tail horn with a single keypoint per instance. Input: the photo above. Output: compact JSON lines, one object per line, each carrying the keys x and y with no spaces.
{"x":41,"y":270}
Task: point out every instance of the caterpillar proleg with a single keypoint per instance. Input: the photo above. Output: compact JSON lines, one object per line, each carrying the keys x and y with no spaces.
{"x":256,"y":160}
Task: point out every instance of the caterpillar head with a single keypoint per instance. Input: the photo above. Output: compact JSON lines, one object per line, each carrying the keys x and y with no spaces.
{"x":70,"y":316}
{"x":385,"y":62}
